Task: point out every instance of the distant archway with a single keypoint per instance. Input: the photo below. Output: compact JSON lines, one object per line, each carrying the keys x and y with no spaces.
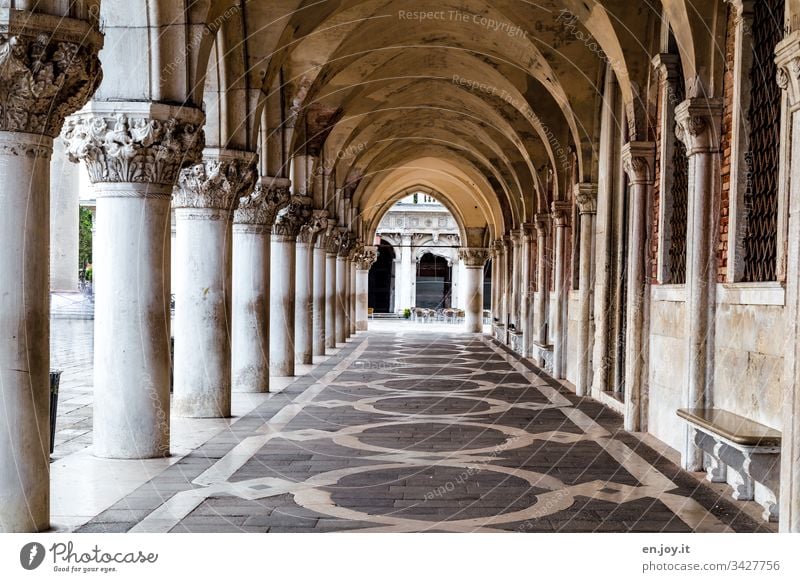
{"x":434,"y":282}
{"x":381,"y":280}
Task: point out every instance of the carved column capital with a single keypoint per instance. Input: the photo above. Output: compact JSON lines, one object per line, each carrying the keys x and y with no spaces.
{"x":48,"y":70}
{"x":145,"y":143}
{"x":542,"y":221}
{"x":698,"y":124}
{"x":498,"y":247}
{"x":586,"y":198}
{"x":474,"y":257}
{"x":347,"y":241}
{"x":787,"y":57}
{"x":218,"y":181}
{"x":261,"y":207}
{"x":293,"y":217}
{"x":316,"y":225}
{"x":366,"y":258}
{"x":529,"y":232}
{"x":638,"y":161}
{"x":561,"y":213}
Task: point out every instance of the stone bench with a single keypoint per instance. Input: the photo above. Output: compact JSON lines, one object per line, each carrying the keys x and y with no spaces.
{"x":750,"y":449}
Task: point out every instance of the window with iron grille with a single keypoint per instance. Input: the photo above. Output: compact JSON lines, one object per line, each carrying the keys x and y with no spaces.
{"x":679,"y":194}
{"x":759,"y":243}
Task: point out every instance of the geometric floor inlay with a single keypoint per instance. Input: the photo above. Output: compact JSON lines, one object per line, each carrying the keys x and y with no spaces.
{"x":407,"y":432}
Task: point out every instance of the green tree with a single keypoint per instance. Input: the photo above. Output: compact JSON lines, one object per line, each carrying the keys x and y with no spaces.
{"x":84,"y":239}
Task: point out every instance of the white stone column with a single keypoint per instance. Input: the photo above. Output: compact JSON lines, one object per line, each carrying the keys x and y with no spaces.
{"x":516,"y":279}
{"x":133,"y":188}
{"x":64,"y":223}
{"x":364,"y":262}
{"x":351,"y":296}
{"x":496,"y":281}
{"x":561,"y":214}
{"x":342,"y":278}
{"x":543,"y":222}
{"x":283,"y":273}
{"x":698,"y":126}
{"x":637,"y":159}
{"x":788,"y":61}
{"x":407,"y":299}
{"x":204,"y":202}
{"x":527,"y":295}
{"x":586,"y":197}
{"x":398,"y":283}
{"x":304,"y":290}
{"x":252,"y":227}
{"x":474,"y":260}
{"x":508,"y":246}
{"x":319,"y":300}
{"x":37,"y":93}
{"x":330,"y":290}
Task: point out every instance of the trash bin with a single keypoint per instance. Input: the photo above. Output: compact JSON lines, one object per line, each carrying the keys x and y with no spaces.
{"x":55,"y":380}
{"x":171,"y":363}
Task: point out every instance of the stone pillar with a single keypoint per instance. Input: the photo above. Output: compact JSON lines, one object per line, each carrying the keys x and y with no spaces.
{"x":252,"y":227}
{"x":788,"y":61}
{"x":204,"y":202}
{"x":351,"y":294}
{"x":304,"y":289}
{"x":561,"y":214}
{"x":507,"y":277}
{"x":698,"y":126}
{"x":527,"y":295}
{"x":474,"y":260}
{"x":331,"y":251}
{"x":497,"y":308}
{"x":407,"y":299}
{"x":542,"y":222}
{"x":586,"y":197}
{"x":283,"y":273}
{"x":516,"y":278}
{"x":319,"y":298}
{"x":342,"y":278}
{"x":39,"y":87}
{"x":637,"y":159}
{"x":64,"y":224}
{"x":364,"y":262}
{"x":133,"y":187}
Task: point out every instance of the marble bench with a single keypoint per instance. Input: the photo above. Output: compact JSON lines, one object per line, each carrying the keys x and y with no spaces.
{"x":750,"y":449}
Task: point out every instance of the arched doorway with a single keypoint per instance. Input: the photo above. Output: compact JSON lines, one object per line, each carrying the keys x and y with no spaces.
{"x":434,"y":282}
{"x":381,"y":280}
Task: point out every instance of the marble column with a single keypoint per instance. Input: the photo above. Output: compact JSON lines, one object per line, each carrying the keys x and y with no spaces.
{"x":516,"y":278}
{"x":64,"y":222}
{"x":364,"y":261}
{"x":527,"y":295}
{"x":283,"y":273}
{"x":304,"y":289}
{"x":319,"y":296}
{"x":497,"y":309}
{"x":586,"y":197}
{"x":133,"y":188}
{"x":561,"y":214}
{"x":542,"y":305}
{"x":474,"y":261}
{"x":38,"y":92}
{"x":698,"y":124}
{"x":204,"y":202}
{"x":331,"y":253}
{"x":407,"y":298}
{"x":342,"y":279}
{"x":508,"y":309}
{"x":788,"y":61}
{"x":252,"y":229}
{"x":351,"y":293}
{"x":638,"y":162}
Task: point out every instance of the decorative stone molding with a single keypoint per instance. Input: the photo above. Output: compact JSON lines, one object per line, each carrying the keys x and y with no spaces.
{"x":292,"y":218}
{"x":542,"y":221}
{"x":586,"y":198}
{"x":787,"y":57}
{"x":561,"y":212}
{"x":262,"y":206}
{"x":310,"y":231}
{"x":219,"y":181}
{"x":638,"y":161}
{"x":528,"y":232}
{"x":347,"y":241}
{"x":366,"y":258}
{"x":498,"y":247}
{"x":26,"y":144}
{"x":474,"y":257}
{"x":135,"y":142}
{"x":698,"y":124}
{"x":48,"y":70}
{"x":667,"y":66}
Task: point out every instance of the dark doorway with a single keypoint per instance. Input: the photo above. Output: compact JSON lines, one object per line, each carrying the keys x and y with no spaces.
{"x":487,"y":285}
{"x":381,"y":280}
{"x":434,"y":282}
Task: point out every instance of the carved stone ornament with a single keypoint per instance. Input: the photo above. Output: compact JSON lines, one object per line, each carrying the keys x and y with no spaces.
{"x":787,"y":57}
{"x":262,"y":206}
{"x":330,"y":240}
{"x":366,"y":258}
{"x":135,"y":142}
{"x":310,"y":231}
{"x":347,"y":240}
{"x":638,"y":159}
{"x":48,"y":70}
{"x":698,"y":124}
{"x":561,"y":210}
{"x":586,"y":198}
{"x":293,"y":217}
{"x":219,"y":181}
{"x":474,"y":257}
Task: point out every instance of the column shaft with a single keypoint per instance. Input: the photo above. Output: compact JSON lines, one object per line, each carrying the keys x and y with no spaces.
{"x":320,"y":284}
{"x":282,"y":306}
{"x":303,"y":320}
{"x":586,"y":196}
{"x":560,"y":211}
{"x":351,"y":297}
{"x":330,"y":300}
{"x":362,"y":300}
{"x":342,"y":279}
{"x":542,"y":280}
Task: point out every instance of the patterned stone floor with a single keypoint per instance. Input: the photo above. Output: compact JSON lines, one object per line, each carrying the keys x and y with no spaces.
{"x":408,"y":432}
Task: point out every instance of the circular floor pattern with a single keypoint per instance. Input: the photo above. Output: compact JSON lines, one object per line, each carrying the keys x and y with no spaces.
{"x":447,"y":371}
{"x":444,"y":386}
{"x":415,"y":405}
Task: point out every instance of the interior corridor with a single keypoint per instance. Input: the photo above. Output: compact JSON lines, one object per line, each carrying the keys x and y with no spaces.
{"x":405,"y":431}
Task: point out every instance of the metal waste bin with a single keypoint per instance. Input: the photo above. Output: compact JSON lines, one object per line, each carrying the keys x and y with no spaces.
{"x":55,"y":380}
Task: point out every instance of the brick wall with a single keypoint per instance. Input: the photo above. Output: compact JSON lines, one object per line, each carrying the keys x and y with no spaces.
{"x":656,"y":208}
